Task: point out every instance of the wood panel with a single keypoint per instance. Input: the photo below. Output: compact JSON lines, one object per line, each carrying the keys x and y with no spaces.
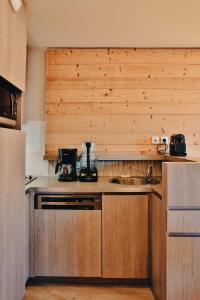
{"x":31,"y":234}
{"x":123,"y":96}
{"x":158,"y":247}
{"x":67,"y":243}
{"x":181,"y":184}
{"x":143,"y":56}
{"x":125,"y":93}
{"x":13,"y":35}
{"x":123,"y":70}
{"x":183,"y":221}
{"x":123,"y":83}
{"x":121,"y":124}
{"x":96,"y":108}
{"x":125,"y":236}
{"x":13,"y":264}
{"x":183,"y":268}
{"x":113,"y":138}
{"x":83,"y":292}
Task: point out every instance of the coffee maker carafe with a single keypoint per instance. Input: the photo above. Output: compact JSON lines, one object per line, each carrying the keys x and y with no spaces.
{"x":66,"y":165}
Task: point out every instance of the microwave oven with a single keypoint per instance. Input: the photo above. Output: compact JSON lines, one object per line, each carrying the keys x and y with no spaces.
{"x":8,"y":105}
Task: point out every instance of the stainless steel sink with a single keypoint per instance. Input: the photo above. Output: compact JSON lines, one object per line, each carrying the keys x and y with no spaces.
{"x":134,"y":180}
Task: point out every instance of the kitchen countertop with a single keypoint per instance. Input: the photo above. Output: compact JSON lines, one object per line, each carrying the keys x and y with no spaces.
{"x":50,"y":184}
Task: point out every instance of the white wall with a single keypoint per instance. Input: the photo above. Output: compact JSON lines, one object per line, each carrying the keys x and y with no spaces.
{"x":34,"y":124}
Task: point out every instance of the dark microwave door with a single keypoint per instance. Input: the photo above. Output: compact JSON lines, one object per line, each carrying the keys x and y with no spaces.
{"x":8,"y":104}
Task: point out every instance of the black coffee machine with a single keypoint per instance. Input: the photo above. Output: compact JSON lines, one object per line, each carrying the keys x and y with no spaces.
{"x":177,"y":145}
{"x":66,"y":165}
{"x":88,"y":173}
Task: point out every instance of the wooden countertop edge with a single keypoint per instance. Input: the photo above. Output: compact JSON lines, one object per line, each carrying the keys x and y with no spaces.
{"x":115,"y":156}
{"x":45,"y":184}
{"x":133,"y":156}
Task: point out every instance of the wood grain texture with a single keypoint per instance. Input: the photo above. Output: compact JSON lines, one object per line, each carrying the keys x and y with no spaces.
{"x":125,"y":236}
{"x":177,"y":175}
{"x":157,"y":95}
{"x":31,"y":235}
{"x":83,"y":292}
{"x":68,"y":243}
{"x":158,"y":247}
{"x":118,"y":56}
{"x":183,"y":268}
{"x":13,"y":33}
{"x":13,"y":264}
{"x":121,"y":97}
{"x":183,"y":221}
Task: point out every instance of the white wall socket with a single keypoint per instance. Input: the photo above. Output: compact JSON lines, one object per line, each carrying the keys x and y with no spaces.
{"x":155,"y":140}
{"x":164,"y":140}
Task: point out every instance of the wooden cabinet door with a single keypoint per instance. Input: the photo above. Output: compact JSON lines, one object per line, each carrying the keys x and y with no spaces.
{"x":183,"y":268}
{"x":68,"y":243}
{"x":12,"y":215}
{"x":158,"y":247}
{"x":125,"y":236}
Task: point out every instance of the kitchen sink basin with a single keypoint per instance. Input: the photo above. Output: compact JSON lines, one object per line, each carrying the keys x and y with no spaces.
{"x":134,"y":180}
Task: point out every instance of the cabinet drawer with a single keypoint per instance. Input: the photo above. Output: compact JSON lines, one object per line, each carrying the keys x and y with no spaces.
{"x":183,"y":221}
{"x":183,"y":268}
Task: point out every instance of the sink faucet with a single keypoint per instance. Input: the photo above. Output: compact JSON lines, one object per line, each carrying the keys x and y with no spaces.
{"x":149,"y":174}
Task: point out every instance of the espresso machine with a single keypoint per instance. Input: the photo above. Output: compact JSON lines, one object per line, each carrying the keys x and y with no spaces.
{"x":66,"y":165}
{"x":88,"y":171}
{"x":177,"y":145}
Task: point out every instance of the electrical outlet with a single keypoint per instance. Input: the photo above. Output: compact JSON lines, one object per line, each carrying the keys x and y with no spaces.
{"x":155,"y":140}
{"x":164,"y":140}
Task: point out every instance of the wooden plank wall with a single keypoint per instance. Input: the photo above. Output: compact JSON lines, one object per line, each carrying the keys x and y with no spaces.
{"x":122,"y":97}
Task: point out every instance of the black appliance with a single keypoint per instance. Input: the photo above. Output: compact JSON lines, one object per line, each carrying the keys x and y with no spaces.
{"x":66,"y":165}
{"x":89,"y":173}
{"x":8,"y":102}
{"x":68,"y":202}
{"x":178,"y":145}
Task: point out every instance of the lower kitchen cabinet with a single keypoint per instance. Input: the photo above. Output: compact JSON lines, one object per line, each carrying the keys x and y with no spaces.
{"x":183,"y":268}
{"x":67,"y":243}
{"x":125,"y":236}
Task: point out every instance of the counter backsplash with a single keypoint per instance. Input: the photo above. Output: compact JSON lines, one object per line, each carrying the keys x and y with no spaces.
{"x":118,"y":168}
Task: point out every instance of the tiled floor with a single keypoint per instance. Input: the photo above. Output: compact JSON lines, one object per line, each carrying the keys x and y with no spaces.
{"x":86,"y":292}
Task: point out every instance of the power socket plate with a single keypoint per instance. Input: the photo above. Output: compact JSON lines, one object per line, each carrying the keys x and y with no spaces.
{"x":164,"y":138}
{"x":155,"y":140}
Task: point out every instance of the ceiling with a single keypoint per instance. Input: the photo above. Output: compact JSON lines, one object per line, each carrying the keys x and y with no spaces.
{"x":113,"y":23}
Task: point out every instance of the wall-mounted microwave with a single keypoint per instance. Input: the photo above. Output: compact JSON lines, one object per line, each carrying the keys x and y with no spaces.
{"x":8,"y":103}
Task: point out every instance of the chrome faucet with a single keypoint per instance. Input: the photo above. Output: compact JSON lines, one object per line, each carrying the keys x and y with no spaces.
{"x":149,"y":174}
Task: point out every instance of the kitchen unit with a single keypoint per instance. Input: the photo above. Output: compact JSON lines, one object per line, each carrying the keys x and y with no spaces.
{"x":118,"y":97}
{"x":141,"y":232}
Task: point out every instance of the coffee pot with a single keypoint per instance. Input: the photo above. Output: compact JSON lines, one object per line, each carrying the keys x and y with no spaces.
{"x":66,"y":165}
